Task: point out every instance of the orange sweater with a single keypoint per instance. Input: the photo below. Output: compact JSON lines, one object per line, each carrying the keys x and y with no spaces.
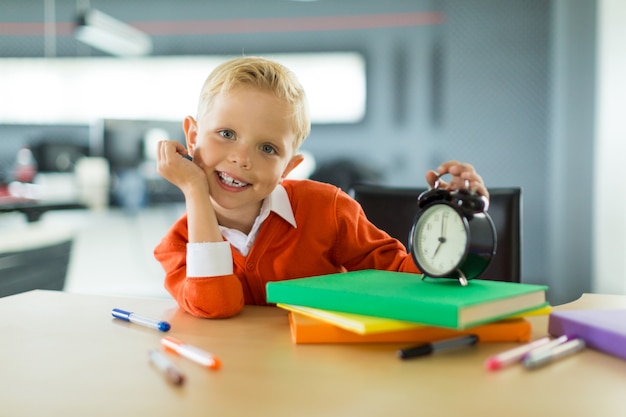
{"x":333,"y":235}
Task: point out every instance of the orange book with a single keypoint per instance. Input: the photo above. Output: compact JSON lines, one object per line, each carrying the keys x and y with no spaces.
{"x":306,"y":330}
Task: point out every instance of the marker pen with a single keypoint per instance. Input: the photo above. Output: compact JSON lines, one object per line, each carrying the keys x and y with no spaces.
{"x":428,"y":348}
{"x":164,"y":365}
{"x":137,"y":319}
{"x":193,"y":353}
{"x":514,"y":355}
{"x":538,"y":359}
{"x":550,"y":345}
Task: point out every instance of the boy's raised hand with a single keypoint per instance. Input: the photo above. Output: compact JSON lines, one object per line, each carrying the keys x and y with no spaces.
{"x":461,"y":172}
{"x":173,"y":165}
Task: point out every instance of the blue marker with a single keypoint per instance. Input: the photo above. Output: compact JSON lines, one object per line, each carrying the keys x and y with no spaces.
{"x":144,"y":321}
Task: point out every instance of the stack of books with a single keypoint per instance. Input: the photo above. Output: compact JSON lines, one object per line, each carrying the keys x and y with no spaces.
{"x":385,"y":306}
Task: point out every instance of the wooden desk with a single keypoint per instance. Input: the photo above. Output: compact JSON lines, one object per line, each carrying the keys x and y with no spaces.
{"x":63,"y":355}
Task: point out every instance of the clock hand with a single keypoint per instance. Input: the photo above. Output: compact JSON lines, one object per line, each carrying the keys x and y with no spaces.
{"x":442,"y":238}
{"x":443,"y":225}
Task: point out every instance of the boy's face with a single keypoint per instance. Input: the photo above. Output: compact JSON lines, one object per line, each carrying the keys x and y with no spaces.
{"x":244,"y":142}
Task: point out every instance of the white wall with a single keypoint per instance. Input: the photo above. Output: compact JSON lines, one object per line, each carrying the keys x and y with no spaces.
{"x":609,"y":269}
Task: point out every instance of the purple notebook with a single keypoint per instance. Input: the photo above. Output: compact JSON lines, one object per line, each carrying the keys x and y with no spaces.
{"x":603,"y":330}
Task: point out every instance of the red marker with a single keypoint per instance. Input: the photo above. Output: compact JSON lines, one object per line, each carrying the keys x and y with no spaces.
{"x":193,"y":353}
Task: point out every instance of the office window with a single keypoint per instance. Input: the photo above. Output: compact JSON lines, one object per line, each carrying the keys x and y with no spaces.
{"x":79,"y":90}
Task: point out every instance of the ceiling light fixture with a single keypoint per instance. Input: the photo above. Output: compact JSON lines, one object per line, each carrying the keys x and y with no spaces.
{"x":110,"y":35}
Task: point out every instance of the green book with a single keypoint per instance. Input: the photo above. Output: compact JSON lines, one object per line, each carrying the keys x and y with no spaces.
{"x":405,"y":296}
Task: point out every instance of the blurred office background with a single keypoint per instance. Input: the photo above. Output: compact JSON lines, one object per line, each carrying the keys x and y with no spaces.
{"x":529,"y":91}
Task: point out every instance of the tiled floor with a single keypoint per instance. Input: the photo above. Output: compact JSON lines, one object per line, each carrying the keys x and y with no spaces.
{"x":112,"y":251}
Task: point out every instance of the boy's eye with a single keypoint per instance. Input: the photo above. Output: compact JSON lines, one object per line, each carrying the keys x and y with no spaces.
{"x":268,"y":149}
{"x":227,"y":134}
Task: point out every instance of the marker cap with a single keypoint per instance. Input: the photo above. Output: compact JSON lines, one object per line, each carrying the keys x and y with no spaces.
{"x":121,"y":314}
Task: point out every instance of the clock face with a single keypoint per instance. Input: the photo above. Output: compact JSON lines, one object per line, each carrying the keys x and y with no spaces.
{"x":440,"y":240}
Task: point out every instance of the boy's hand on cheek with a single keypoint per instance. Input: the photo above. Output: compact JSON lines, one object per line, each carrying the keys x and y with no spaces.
{"x":174,"y":166}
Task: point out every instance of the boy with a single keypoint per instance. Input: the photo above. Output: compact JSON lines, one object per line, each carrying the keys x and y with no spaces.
{"x":245,"y":224}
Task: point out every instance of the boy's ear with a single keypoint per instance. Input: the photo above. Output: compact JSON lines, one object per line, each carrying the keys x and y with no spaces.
{"x":294,"y":162}
{"x":190,"y":127}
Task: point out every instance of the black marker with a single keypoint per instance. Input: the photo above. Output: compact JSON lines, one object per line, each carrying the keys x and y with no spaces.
{"x":428,"y":348}
{"x":188,"y":157}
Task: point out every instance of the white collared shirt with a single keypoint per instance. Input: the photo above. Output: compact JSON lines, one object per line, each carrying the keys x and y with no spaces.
{"x":214,"y":258}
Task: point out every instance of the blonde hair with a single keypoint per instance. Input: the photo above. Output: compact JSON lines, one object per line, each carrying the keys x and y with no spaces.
{"x":264,"y":74}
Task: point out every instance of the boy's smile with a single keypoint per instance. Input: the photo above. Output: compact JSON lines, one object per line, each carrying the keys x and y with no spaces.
{"x":231,"y":182}
{"x":245,"y":145}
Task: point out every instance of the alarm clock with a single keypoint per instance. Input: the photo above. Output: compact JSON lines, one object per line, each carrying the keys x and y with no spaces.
{"x":452,"y":235}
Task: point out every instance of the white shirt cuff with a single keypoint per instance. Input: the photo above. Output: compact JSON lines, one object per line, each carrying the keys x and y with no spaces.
{"x":209,"y":259}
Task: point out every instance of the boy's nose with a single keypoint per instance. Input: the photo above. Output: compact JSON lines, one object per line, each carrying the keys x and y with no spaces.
{"x":241,"y":156}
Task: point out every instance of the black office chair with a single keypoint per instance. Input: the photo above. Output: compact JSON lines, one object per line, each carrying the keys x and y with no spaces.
{"x":36,"y":262}
{"x":393,"y":210}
